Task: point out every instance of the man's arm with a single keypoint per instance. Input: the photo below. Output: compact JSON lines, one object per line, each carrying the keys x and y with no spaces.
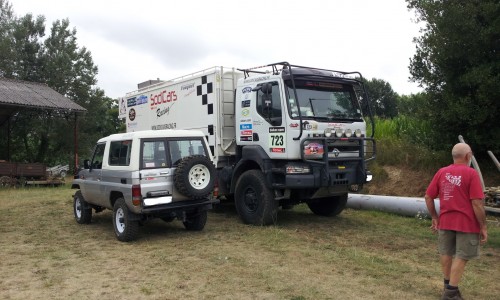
{"x":478,"y":206}
{"x":429,"y":201}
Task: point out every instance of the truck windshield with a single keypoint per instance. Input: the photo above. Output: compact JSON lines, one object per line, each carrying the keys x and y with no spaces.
{"x":323,"y":101}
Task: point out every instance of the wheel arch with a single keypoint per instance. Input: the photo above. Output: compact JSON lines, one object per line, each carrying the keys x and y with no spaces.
{"x":113,"y":196}
{"x":253,"y":158}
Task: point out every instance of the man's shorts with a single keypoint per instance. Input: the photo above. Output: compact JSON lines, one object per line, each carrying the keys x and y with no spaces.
{"x":463,"y":245}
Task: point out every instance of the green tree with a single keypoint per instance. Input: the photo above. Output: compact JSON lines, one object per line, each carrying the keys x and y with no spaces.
{"x":60,"y":63}
{"x":415,"y":105}
{"x":457,"y":61}
{"x":383,"y":99}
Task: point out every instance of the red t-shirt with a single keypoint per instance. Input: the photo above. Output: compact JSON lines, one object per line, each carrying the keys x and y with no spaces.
{"x":456,"y":186}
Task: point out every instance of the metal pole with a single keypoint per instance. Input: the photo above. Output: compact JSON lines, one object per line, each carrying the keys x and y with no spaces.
{"x":495,"y":161}
{"x":474,"y":164}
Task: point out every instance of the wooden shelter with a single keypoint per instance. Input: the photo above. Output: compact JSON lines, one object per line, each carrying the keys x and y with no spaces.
{"x":18,"y":95}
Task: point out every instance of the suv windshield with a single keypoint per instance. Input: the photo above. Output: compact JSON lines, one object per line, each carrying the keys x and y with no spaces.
{"x":323,"y":100}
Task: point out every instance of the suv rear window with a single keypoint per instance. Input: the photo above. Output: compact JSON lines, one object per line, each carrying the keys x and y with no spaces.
{"x":184,"y":148}
{"x":156,"y":152}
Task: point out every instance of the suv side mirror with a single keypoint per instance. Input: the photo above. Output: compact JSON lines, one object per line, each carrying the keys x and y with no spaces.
{"x":86,"y":164}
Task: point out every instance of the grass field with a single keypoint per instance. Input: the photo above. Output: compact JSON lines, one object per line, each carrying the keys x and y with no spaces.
{"x":45,"y":254}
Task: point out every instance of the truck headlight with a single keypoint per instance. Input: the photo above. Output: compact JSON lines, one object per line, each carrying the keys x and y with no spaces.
{"x":328,"y":132}
{"x":297,"y":169}
{"x":348,"y":132}
{"x":339,"y":132}
{"x":358,"y":133}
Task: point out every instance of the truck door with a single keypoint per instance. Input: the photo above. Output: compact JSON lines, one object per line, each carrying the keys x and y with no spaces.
{"x":269,"y":113}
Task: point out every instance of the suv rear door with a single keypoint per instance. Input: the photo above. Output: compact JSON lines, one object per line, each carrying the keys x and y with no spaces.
{"x":159,"y":160}
{"x":156,"y":174}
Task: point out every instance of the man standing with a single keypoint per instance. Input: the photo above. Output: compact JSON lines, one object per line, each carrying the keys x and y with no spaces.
{"x":461,"y":223}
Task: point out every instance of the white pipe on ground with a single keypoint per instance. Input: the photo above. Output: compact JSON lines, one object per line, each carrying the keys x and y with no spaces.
{"x":406,"y":206}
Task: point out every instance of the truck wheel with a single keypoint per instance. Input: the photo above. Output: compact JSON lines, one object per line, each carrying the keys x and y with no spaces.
{"x":125,"y":229}
{"x":196,"y":221}
{"x":254,"y":200}
{"x":81,"y":209}
{"x":328,"y":207}
{"x":195,"y":176}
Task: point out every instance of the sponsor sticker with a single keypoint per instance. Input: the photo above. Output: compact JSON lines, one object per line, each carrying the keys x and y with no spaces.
{"x":131,"y":102}
{"x":245,"y":138}
{"x":245,"y":126}
{"x":245,"y":112}
{"x":246,"y":132}
{"x":245,"y":103}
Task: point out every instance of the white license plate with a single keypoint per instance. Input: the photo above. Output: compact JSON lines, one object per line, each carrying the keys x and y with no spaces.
{"x":157,"y":200}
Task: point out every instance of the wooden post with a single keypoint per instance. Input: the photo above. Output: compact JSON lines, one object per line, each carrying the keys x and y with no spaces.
{"x":75,"y":151}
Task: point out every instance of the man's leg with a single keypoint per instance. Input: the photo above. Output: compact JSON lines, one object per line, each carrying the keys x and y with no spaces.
{"x":446,"y":246}
{"x":457,"y":269}
{"x":446,"y":263}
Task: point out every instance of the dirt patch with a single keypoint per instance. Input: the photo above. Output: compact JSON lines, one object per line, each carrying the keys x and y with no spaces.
{"x":400,"y":182}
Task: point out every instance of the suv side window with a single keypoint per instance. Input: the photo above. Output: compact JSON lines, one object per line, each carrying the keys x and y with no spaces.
{"x":119,"y":153}
{"x":154,"y":154}
{"x":98,"y":156}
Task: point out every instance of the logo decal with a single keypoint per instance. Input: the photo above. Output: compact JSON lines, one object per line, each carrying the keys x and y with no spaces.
{"x":131,"y":114}
{"x":246,"y":90}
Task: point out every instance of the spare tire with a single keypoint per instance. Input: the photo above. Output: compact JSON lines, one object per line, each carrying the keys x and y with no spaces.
{"x":195,"y":176}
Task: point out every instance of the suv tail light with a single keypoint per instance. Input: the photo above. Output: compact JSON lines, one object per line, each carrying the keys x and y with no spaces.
{"x":136,"y":195}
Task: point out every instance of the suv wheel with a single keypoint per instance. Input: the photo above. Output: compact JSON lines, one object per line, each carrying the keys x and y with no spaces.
{"x":81,"y":209}
{"x":196,"y":221}
{"x":195,"y":176}
{"x":254,"y":200}
{"x":328,"y":207}
{"x":125,"y":229}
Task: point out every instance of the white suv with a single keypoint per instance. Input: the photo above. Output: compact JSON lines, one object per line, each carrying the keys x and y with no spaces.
{"x":165,"y":174}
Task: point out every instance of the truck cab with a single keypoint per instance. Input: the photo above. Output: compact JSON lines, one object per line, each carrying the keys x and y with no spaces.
{"x":301,"y":130}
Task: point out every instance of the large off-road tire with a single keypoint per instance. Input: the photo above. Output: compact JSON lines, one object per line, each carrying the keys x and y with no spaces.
{"x":328,"y":207}
{"x":196,"y":221}
{"x":125,"y":229}
{"x":6,"y":181}
{"x":254,"y":201}
{"x":195,"y":176}
{"x":81,"y":209}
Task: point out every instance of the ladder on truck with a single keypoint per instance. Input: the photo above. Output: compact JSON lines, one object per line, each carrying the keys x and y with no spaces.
{"x":227,"y":122}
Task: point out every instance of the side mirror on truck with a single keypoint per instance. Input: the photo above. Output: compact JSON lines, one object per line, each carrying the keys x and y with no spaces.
{"x":86,"y":164}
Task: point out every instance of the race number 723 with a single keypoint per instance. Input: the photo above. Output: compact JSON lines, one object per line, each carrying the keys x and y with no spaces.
{"x":277,"y":138}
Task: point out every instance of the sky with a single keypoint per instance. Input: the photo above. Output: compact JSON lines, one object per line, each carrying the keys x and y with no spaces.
{"x":135,"y":41}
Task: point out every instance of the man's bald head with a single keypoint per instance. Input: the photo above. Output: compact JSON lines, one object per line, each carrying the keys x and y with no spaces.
{"x":460,"y":151}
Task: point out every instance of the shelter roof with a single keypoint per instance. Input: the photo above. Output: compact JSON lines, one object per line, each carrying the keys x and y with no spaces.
{"x":17,"y":94}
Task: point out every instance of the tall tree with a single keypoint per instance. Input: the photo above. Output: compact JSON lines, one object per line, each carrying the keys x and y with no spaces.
{"x":69,"y":69}
{"x":383,"y":99}
{"x":457,"y":61}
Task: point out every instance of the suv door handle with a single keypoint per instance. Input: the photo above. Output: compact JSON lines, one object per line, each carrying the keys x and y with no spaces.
{"x":164,"y":173}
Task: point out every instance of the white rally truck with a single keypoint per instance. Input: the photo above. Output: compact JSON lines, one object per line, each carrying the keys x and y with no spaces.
{"x":279,"y":134}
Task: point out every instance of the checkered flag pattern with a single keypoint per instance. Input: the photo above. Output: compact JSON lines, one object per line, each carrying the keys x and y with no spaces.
{"x":205,"y":91}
